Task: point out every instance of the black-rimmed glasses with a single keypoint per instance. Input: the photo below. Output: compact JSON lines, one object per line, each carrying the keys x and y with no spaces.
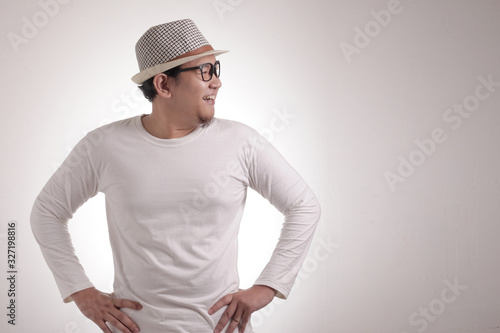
{"x":207,"y":70}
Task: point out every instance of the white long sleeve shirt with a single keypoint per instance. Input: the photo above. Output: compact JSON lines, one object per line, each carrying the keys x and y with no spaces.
{"x":174,"y":208}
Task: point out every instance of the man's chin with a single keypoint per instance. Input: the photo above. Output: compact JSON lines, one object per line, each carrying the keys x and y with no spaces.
{"x":205,"y":120}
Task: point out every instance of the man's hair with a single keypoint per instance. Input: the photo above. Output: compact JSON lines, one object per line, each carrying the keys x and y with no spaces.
{"x":148,"y":88}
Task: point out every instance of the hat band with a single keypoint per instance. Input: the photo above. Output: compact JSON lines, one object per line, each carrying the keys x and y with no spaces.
{"x":197,"y":51}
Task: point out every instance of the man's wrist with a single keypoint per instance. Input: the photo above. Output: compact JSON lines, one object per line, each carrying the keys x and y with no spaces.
{"x":271,"y":289}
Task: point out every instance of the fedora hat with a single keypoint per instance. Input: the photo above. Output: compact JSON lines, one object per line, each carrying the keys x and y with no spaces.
{"x":168,"y":45}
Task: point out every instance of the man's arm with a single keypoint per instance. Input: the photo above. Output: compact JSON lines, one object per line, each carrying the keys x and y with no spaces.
{"x":273,"y":177}
{"x":73,"y":183}
{"x":70,"y":186}
{"x":277,"y":181}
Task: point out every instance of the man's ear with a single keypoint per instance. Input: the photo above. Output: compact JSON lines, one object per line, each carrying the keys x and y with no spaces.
{"x":162,"y":84}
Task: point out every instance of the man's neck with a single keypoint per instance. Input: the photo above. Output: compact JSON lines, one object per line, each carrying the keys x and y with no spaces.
{"x":162,"y":126}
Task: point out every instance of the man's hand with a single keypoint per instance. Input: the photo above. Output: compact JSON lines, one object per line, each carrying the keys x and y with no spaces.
{"x":101,"y":308}
{"x":241,"y":305}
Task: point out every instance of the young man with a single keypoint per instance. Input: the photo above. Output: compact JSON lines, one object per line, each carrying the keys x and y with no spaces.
{"x":175,"y":183}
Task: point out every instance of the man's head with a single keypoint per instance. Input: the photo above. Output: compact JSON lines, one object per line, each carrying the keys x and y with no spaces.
{"x":178,"y":70}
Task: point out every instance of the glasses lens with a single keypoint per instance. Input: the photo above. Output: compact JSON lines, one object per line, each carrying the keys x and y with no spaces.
{"x":206,"y":72}
{"x":217,"y":68}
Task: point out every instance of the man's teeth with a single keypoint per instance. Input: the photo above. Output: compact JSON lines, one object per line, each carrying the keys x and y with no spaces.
{"x":211,"y":97}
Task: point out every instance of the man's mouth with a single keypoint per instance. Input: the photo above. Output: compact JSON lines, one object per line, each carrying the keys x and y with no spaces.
{"x":209,"y":98}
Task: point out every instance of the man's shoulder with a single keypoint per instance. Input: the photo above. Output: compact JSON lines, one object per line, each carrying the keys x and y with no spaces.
{"x":115,"y":128}
{"x":127,"y":124}
{"x":111,"y":133}
{"x":232,"y":126}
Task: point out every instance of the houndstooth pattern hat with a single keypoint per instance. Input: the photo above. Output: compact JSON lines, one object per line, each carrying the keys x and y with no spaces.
{"x":168,"y":45}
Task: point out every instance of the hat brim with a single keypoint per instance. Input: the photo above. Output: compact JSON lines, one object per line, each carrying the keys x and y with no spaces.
{"x":148,"y":73}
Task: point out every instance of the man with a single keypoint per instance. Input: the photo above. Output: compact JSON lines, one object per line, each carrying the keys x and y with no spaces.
{"x":175,"y":183}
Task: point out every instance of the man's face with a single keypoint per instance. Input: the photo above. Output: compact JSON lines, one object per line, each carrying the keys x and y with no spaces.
{"x":194,"y":98}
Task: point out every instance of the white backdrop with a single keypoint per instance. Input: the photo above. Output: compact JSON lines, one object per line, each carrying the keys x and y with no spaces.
{"x":389,"y":109}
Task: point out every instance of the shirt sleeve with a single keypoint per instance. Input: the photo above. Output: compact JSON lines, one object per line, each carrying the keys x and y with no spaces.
{"x":273,"y":177}
{"x":69,"y":187}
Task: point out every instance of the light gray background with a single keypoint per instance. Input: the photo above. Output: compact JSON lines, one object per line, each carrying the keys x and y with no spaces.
{"x":413,"y":256}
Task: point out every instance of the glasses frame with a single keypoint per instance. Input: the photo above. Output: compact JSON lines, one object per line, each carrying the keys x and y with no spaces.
{"x":200,"y":67}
